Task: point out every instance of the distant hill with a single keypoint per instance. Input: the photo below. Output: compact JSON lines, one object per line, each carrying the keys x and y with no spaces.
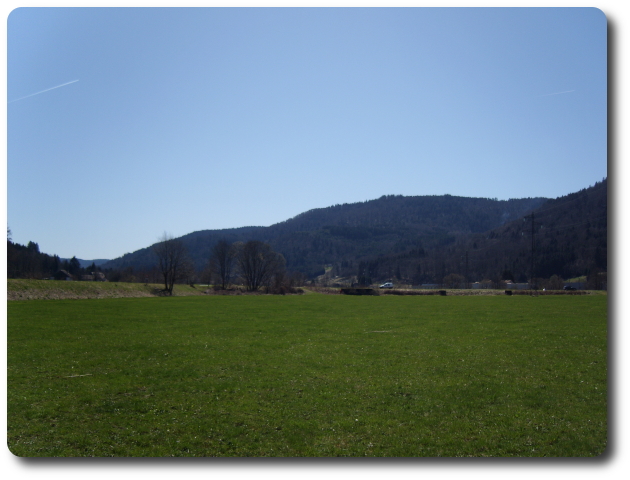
{"x":411,"y":240}
{"x":570,"y":239}
{"x":87,"y":263}
{"x":348,"y":233}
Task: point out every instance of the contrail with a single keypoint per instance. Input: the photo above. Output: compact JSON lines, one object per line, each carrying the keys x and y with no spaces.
{"x":47,"y":90}
{"x":557,"y":93}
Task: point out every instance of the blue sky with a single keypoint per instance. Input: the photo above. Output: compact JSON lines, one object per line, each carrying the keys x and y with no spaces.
{"x":181,"y":120}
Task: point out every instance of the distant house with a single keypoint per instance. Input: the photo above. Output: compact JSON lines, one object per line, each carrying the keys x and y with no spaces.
{"x":63,"y":275}
{"x":99,"y":277}
{"x":87,"y":278}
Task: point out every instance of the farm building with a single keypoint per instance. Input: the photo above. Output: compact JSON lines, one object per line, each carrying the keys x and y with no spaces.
{"x":63,"y":275}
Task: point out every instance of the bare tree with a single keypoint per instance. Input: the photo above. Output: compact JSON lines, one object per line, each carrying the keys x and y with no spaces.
{"x":258,"y":264}
{"x":222,"y":261}
{"x":453,"y":280}
{"x":173,"y":261}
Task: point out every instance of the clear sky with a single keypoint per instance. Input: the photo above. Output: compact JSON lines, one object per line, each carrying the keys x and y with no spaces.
{"x":125,"y":123}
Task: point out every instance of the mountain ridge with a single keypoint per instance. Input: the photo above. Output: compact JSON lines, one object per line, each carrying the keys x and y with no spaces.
{"x":347,"y":232}
{"x":570,"y":236}
{"x":86,"y":263}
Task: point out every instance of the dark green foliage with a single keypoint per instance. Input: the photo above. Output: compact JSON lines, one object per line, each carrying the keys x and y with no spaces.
{"x":364,"y":274}
{"x":311,"y":375}
{"x":423,"y":239}
{"x":507,"y":275}
{"x":453,"y":280}
{"x":571,"y":235}
{"x":29,"y":262}
{"x":74,"y":267}
{"x":354,"y":232}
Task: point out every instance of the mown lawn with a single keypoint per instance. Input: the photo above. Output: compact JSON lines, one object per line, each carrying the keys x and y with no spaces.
{"x":313,"y":375}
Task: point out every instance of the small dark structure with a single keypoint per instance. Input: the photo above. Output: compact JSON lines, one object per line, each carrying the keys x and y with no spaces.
{"x":508,"y":292}
{"x":63,"y":275}
{"x":443,"y":293}
{"x":359,"y":291}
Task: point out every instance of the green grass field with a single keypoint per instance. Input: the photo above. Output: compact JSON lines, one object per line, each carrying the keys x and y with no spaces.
{"x":21,"y":289}
{"x":311,"y":375}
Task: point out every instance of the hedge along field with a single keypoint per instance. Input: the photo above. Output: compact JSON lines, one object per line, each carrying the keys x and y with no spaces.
{"x":313,"y":375}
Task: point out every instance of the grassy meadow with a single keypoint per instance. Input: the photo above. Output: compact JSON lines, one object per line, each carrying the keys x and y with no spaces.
{"x":309,"y":375}
{"x":22,"y":289}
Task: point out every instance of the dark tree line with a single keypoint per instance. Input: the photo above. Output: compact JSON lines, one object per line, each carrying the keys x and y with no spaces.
{"x":356,"y":232}
{"x":412,"y":240}
{"x":26,"y":261}
{"x":570,"y":240}
{"x":253,"y":264}
{"x":258,"y":264}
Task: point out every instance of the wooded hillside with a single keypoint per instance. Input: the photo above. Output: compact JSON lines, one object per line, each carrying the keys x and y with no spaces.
{"x":409,"y":240}
{"x":351,"y":232}
{"x":569,"y":240}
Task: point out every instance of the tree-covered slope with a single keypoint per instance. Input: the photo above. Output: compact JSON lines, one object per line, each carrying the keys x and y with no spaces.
{"x":345,"y":233}
{"x":570,"y":236}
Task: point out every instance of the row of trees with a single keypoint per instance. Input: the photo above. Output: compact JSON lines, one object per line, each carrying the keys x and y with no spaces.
{"x":26,"y":261}
{"x":254,"y":264}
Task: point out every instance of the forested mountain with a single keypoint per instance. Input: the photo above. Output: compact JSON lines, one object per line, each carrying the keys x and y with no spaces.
{"x":346,"y":234}
{"x":569,"y":239}
{"x":411,"y":240}
{"x":349,"y":233}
